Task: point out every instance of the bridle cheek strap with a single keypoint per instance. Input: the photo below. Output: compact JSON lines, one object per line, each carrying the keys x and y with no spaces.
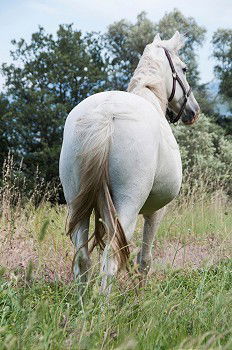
{"x":176,"y":78}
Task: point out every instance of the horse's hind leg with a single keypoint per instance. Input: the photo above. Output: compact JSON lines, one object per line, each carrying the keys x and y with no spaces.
{"x":151,"y":224}
{"x":81,"y":261}
{"x":127,"y":217}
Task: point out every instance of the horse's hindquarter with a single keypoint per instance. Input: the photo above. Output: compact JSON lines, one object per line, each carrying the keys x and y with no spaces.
{"x":138,"y":161}
{"x":168,"y":176}
{"x":133,"y":150}
{"x":133,"y":155}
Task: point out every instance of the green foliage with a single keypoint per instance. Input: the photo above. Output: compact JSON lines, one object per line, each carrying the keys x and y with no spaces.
{"x":50,"y":75}
{"x":48,"y":78}
{"x":4,"y":126}
{"x":205,"y":150}
{"x":222,"y":42}
{"x":194,"y":34}
{"x":126,"y":42}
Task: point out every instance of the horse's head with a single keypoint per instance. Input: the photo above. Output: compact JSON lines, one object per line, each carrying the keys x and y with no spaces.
{"x":181,"y":101}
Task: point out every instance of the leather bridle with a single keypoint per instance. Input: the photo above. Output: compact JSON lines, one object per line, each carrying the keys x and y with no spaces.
{"x":176,"y":78}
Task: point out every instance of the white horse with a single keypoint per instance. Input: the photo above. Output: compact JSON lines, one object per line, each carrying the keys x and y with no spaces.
{"x":119,"y":158}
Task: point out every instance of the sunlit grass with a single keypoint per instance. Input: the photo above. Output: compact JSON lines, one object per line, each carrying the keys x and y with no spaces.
{"x":181,"y":306}
{"x":207,"y":216}
{"x":176,"y":310}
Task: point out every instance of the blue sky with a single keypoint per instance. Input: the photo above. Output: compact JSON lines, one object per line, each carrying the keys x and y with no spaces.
{"x":20,"y":18}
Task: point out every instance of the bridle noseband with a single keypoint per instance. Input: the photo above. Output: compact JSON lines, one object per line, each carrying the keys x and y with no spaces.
{"x":186,"y":93}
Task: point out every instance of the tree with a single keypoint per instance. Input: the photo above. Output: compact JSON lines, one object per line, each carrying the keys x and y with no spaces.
{"x":48,"y":78}
{"x":194,"y":37}
{"x":4,"y":110}
{"x":222,"y":41}
{"x":206,"y":154}
{"x":126,"y":42}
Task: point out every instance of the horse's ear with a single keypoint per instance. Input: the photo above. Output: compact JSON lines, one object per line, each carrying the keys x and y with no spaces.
{"x":176,"y":42}
{"x":157,"y":38}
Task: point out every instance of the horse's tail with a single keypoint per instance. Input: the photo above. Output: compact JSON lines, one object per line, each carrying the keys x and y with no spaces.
{"x":95,"y":134}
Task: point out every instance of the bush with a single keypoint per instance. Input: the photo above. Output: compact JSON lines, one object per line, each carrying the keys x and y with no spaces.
{"x":206,"y":153}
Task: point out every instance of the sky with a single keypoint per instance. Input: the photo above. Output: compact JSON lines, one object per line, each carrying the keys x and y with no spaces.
{"x":20,"y":18}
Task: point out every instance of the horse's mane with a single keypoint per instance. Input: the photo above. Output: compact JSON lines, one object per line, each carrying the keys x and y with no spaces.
{"x":149,"y":72}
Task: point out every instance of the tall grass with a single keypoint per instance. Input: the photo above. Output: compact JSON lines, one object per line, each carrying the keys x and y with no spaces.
{"x":182,"y":306}
{"x":176,"y":310}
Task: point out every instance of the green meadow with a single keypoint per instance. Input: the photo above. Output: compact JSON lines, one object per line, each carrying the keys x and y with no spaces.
{"x":185,"y":303}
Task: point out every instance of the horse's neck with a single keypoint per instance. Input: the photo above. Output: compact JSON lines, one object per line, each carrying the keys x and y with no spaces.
{"x":147,"y":93}
{"x":148,"y":82}
{"x":153,"y":90}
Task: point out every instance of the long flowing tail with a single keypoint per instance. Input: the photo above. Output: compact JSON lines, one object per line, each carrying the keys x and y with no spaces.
{"x":94,"y":190}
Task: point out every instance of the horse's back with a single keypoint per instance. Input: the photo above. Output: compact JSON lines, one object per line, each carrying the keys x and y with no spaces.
{"x":115,"y":103}
{"x":135,"y":121}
